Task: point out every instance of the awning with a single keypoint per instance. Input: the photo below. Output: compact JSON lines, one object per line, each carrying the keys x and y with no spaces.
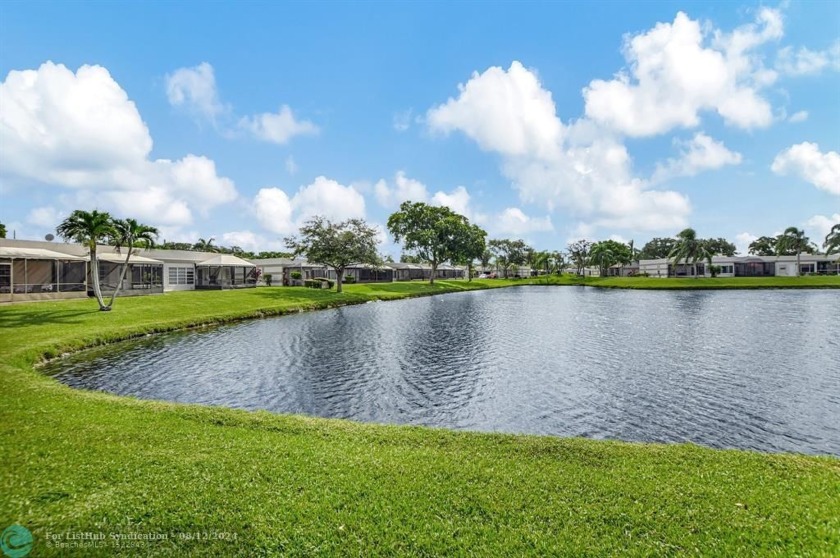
{"x":35,"y":254}
{"x":120,"y":258}
{"x":225,"y":260}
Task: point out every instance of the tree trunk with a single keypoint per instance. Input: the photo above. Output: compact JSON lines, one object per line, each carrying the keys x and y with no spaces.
{"x":122,"y":278}
{"x":97,"y":292}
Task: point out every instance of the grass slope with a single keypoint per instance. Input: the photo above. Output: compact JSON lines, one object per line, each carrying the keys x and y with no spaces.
{"x":75,"y":461}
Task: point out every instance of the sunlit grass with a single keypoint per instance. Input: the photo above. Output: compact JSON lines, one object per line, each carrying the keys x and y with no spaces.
{"x":290,"y":485}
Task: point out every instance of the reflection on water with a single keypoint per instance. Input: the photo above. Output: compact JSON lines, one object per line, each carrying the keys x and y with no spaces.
{"x":740,"y":369}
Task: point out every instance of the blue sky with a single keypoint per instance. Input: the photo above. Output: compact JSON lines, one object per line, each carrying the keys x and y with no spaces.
{"x":542,"y":121}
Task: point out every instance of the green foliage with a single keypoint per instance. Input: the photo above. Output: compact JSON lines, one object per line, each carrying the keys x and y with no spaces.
{"x":435,"y":234}
{"x":509,"y":253}
{"x":689,"y":249}
{"x":579,"y":254}
{"x":763,"y":246}
{"x":720,"y":247}
{"x":832,"y":240}
{"x":608,"y":253}
{"x":336,"y":245}
{"x":657,"y":248}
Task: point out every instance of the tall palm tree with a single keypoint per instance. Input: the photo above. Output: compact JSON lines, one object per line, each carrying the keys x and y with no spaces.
{"x":89,"y":228}
{"x":793,"y":240}
{"x":689,"y":249}
{"x":603,"y":256}
{"x":205,"y":245}
{"x":832,"y":240}
{"x":130,"y":234}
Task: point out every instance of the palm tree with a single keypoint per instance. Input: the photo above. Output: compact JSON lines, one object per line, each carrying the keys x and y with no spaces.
{"x":130,"y":234}
{"x":832,"y":240}
{"x":689,"y":249}
{"x":793,"y":240}
{"x":603,"y":256}
{"x":205,"y":245}
{"x":89,"y":228}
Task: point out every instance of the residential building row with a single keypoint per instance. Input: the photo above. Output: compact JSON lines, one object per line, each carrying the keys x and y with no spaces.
{"x":40,"y":270}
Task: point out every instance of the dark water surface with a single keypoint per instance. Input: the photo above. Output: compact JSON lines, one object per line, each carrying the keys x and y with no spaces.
{"x":730,"y":369}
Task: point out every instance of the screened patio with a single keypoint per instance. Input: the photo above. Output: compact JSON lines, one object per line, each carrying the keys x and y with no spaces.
{"x":144,"y":275}
{"x":40,"y":274}
{"x":225,"y":272}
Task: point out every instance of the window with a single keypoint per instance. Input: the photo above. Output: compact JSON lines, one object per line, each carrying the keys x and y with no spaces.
{"x":181,"y":276}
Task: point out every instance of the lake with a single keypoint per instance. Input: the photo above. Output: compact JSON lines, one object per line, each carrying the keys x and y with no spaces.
{"x":727,"y":369}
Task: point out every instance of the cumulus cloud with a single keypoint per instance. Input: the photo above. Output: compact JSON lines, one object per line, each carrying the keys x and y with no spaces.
{"x":195,"y":90}
{"x":506,"y":111}
{"x":277,"y":127}
{"x":47,"y":217}
{"x":800,"y":116}
{"x":278,"y":213}
{"x":404,"y":189}
{"x":802,"y":61}
{"x":581,"y":167}
{"x":806,"y":161}
{"x":699,"y":154}
{"x":514,"y":221}
{"x":818,"y":227}
{"x":743,"y":241}
{"x":80,"y":131}
{"x":678,"y":70}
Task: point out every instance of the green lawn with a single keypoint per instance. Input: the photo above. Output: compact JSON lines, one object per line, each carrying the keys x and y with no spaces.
{"x":75,"y":461}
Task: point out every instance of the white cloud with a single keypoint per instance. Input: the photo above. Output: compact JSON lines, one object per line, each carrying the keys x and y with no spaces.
{"x":513,"y":221}
{"x":699,"y":154}
{"x":47,"y":217}
{"x":81,"y":131}
{"x":195,"y":89}
{"x":404,"y":189}
{"x":402,"y":120}
{"x":504,"y":111}
{"x":675,"y":74}
{"x":278,"y":213}
{"x":458,"y":200}
{"x":800,"y":116}
{"x":277,"y":127}
{"x":743,"y":241}
{"x":803,"y":61}
{"x":806,"y":161}
{"x":580,"y":167}
{"x":818,"y":227}
{"x":291,"y":165}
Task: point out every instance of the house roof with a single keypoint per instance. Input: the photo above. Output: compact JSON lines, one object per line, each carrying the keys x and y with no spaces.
{"x":35,"y":254}
{"x":120,"y":258}
{"x":225,"y":260}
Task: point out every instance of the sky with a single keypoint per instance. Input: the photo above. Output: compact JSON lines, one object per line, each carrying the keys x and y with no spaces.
{"x":546,"y":121}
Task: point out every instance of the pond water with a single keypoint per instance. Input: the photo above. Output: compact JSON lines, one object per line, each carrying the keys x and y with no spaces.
{"x":728,"y":369}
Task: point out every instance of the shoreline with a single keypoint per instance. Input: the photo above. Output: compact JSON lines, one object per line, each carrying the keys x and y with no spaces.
{"x":73,"y":457}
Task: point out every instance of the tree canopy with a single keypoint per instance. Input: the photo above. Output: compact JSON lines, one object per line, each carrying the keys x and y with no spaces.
{"x":435,"y":234}
{"x":509,"y":253}
{"x":336,"y":245}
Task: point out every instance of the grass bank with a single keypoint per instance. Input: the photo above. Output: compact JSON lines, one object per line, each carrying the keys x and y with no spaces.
{"x":708,"y":283}
{"x":225,"y":482}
